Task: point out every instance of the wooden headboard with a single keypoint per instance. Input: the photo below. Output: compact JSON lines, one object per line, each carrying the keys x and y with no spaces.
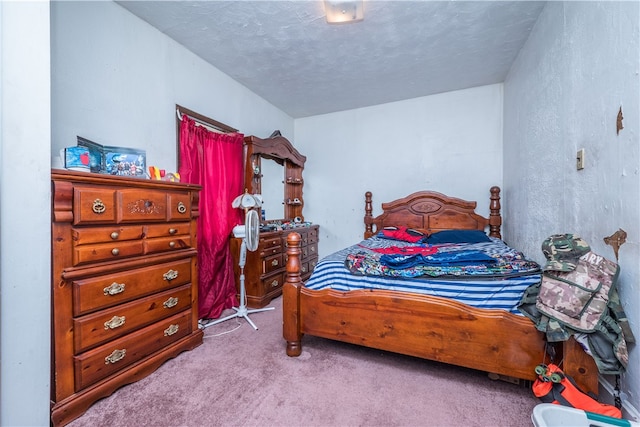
{"x":431,"y":211}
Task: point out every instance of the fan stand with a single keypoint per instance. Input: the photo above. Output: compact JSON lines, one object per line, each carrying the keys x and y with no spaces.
{"x":241,"y":311}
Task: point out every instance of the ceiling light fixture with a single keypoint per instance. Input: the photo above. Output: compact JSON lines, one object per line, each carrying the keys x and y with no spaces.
{"x":340,"y":12}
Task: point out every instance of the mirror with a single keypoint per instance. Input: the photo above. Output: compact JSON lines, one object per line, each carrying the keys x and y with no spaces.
{"x":273,"y":168}
{"x":272,"y":189}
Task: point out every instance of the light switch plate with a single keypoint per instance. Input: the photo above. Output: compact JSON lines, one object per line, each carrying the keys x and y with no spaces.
{"x":580,"y":159}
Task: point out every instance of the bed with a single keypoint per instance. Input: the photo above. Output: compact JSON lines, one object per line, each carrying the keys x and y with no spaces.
{"x":499,"y":341}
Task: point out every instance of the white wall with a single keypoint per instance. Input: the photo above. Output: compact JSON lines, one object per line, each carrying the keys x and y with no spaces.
{"x":116,"y":80}
{"x":580,"y":64}
{"x":24,"y":217}
{"x":436,"y":142}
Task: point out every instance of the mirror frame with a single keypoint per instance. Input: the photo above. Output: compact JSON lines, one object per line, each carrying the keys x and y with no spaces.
{"x":283,"y":152}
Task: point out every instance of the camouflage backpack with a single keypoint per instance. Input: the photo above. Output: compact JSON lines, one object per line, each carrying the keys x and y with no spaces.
{"x":578,"y":298}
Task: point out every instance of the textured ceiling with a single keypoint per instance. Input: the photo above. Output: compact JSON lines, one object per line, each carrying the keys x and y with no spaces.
{"x":286,"y":52}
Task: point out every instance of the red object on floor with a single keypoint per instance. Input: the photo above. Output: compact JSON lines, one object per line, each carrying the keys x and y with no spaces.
{"x":553,"y":386}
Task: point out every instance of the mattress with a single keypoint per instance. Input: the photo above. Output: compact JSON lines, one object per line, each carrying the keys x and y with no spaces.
{"x":495,"y":285}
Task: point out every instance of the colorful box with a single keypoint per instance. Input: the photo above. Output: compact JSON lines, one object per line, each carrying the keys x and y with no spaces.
{"x":125,"y":162}
{"x":96,"y":154}
{"x":77,"y":158}
{"x":120,"y":161}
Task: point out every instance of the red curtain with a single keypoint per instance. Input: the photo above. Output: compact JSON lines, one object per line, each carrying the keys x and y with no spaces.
{"x":214,"y":161}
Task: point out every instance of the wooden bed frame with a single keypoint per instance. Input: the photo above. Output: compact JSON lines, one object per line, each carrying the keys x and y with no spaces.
{"x":503,"y":344}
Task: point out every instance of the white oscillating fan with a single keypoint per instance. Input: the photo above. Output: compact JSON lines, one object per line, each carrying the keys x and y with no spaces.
{"x":250,"y":235}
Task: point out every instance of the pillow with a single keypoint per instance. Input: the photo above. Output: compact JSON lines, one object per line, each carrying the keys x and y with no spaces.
{"x":458,"y":236}
{"x":402,"y":233}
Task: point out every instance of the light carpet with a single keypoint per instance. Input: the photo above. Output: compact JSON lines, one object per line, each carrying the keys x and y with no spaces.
{"x":243,"y":377}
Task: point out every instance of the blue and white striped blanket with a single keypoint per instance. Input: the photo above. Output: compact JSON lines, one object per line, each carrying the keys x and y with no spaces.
{"x":485,"y":288}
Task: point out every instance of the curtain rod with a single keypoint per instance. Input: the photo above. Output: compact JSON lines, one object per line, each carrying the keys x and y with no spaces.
{"x":200,"y":122}
{"x":206,"y":122}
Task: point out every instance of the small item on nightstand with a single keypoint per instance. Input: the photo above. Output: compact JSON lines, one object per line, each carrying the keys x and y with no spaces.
{"x":154,"y":173}
{"x":172,"y":177}
{"x":162,"y":175}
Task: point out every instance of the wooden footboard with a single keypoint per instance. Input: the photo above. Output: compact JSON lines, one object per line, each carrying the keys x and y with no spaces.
{"x":423,"y":326}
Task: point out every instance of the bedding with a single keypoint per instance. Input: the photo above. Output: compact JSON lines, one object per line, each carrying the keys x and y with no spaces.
{"x":457,"y":236}
{"x":497,"y":281}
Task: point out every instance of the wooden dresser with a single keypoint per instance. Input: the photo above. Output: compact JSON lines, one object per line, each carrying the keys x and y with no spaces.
{"x":265,"y":268}
{"x":124,"y":283}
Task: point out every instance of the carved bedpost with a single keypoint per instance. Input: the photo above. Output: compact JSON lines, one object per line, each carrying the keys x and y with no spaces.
{"x":368,"y":217}
{"x":291,"y":297}
{"x":495,"y":218}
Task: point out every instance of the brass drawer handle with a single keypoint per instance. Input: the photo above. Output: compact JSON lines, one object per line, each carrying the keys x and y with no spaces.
{"x":115,"y":251}
{"x":312,"y":248}
{"x":170,"y":275}
{"x":115,"y":322}
{"x":98,"y":206}
{"x":304,"y":269}
{"x":181,"y":208}
{"x":274,"y":263}
{"x":116,"y":356}
{"x":171,"y":330}
{"x":173,"y":231}
{"x":172,"y":244}
{"x":114,"y":289}
{"x":274,"y":283}
{"x":115,"y":235}
{"x":171,"y":302}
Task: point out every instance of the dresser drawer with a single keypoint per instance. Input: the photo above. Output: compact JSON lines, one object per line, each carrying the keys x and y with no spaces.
{"x":92,"y":205}
{"x":272,"y":263}
{"x":83,"y":254}
{"x":272,"y":250}
{"x":167,"y":230}
{"x":273,"y":282}
{"x":97,"y":328}
{"x":179,"y":207}
{"x":304,"y":268}
{"x":83,"y":236}
{"x":269,"y":242}
{"x":309,"y":251}
{"x":99,"y":292}
{"x":138,"y":205}
{"x":167,"y":244}
{"x":312,"y":236}
{"x":304,"y":237}
{"x":96,"y":364}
